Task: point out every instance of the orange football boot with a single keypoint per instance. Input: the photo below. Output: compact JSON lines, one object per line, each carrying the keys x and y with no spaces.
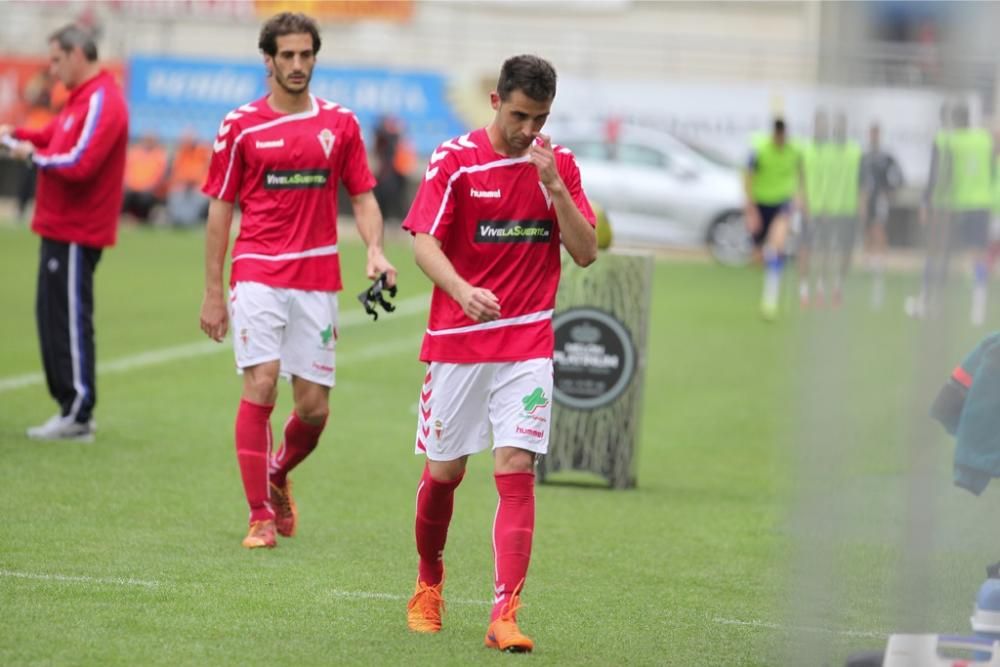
{"x":286,"y":514}
{"x":503,"y":633}
{"x":261,"y":534}
{"x":423,"y":613}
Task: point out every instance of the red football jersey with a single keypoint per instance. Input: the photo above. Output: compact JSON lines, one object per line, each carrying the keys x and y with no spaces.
{"x":498,"y":227}
{"x":284,"y":170}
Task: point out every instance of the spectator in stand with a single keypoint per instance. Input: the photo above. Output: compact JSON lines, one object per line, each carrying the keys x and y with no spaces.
{"x":145,"y":177}
{"x":186,"y":205}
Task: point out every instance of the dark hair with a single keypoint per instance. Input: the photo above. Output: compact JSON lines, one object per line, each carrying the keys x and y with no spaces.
{"x":72,"y":36}
{"x":286,"y":23}
{"x":533,"y":76}
{"x":960,"y":114}
{"x":779,"y":125}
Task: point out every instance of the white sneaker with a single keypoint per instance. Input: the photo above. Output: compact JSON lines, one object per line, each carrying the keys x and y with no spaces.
{"x":63,"y":428}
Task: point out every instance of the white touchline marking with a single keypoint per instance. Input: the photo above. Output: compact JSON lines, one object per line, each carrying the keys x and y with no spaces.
{"x":412,"y":306}
{"x":80,"y":579}
{"x":800,"y":628}
{"x":368,"y":595}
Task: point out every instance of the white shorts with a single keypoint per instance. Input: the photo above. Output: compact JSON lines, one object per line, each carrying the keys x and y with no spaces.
{"x":462,"y":405}
{"x":296,"y":327}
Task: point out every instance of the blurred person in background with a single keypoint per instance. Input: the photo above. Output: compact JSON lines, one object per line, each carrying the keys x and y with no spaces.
{"x":37,"y":116}
{"x":880,"y":178}
{"x":962,"y":181}
{"x":972,"y":157}
{"x":487,"y":223}
{"x":282,"y":156}
{"x":814,"y":154}
{"x":934,"y":214}
{"x":187,"y":205}
{"x":838,"y":236}
{"x":772,"y":180}
{"x":145,"y":177}
{"x":394,"y":161}
{"x":80,"y":157}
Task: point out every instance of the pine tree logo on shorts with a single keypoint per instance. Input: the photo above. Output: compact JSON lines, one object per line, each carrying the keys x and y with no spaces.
{"x":326,"y":335}
{"x":534,"y":400}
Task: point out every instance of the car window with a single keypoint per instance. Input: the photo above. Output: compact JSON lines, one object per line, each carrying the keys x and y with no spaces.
{"x":644,"y":156}
{"x":588,"y":150}
{"x":712,"y":155}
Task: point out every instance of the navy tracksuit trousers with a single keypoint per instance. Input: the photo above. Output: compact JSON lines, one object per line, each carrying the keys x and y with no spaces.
{"x":64,"y":311}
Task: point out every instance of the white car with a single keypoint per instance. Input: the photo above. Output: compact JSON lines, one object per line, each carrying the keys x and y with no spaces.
{"x":657,"y":189}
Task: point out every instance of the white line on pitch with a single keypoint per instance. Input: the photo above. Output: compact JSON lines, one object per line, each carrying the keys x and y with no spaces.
{"x":369,"y":595}
{"x":117,"y":581}
{"x":800,"y":628}
{"x":406,"y":307}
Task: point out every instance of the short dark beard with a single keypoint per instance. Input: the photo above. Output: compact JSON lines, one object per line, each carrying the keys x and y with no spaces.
{"x":304,"y":91}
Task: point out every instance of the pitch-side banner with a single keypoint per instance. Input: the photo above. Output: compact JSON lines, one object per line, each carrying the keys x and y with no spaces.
{"x":170,"y":95}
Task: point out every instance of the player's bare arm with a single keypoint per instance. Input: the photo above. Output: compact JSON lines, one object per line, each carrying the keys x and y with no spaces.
{"x":578,"y":235}
{"x":479,"y":304}
{"x":214,"y":317}
{"x":369,"y":219}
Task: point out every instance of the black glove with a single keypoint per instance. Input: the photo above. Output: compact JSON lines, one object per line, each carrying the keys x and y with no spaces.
{"x":374,"y":295}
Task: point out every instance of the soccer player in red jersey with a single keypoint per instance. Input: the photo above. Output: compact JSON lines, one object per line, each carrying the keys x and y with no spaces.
{"x":282,"y":157}
{"x":488,"y":220}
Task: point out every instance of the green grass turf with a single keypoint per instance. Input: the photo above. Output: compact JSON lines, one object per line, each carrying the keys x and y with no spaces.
{"x":732,"y":551}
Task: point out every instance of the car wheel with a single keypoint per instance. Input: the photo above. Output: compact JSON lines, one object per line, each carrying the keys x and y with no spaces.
{"x":728,"y":240}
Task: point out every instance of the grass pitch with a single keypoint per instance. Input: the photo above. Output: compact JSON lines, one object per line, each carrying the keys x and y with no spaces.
{"x":775,"y":507}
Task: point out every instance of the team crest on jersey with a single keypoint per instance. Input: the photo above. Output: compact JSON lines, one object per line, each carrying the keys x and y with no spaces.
{"x":326,"y":139}
{"x":438,"y":428}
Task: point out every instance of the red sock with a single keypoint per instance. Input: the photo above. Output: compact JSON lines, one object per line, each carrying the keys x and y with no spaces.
{"x":435,"y":502}
{"x":300,"y":439}
{"x":253,"y":447}
{"x":512,"y":530}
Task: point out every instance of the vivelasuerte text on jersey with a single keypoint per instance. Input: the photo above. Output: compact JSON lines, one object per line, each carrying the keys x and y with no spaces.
{"x":284,"y":169}
{"x":497,"y":225}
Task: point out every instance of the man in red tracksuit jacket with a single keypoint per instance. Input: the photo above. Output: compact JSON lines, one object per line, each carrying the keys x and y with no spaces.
{"x":80,"y":158}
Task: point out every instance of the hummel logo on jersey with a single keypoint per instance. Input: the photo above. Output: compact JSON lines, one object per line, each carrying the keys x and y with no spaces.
{"x":484,"y":194}
{"x":277,"y":143}
{"x":293,"y":179}
{"x":513,"y":231}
